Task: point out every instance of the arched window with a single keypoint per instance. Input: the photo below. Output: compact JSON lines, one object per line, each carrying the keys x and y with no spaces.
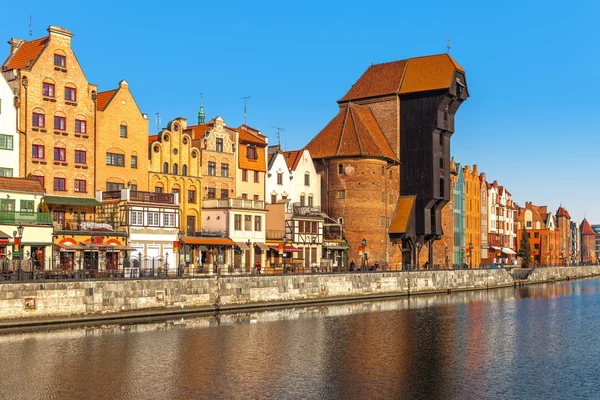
{"x":175,"y":169}
{"x":166,"y":168}
{"x":184,"y":170}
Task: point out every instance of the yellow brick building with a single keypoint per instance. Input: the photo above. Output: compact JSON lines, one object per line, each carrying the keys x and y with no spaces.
{"x":122,"y":128}
{"x":174,"y":167}
{"x":473,"y":214}
{"x":56,"y":113}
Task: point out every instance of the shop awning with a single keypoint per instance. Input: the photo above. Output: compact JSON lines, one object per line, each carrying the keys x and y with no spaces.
{"x":242,"y":246}
{"x":262,"y":246}
{"x":71,"y":201}
{"x":72,"y":247}
{"x":208,"y":241}
{"x":288,"y":249}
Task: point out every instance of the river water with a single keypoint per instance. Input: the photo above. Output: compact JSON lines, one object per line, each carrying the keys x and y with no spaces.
{"x":534,"y":342}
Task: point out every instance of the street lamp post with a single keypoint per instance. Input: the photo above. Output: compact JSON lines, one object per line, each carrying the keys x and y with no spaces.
{"x":20,"y":229}
{"x":249,"y":244}
{"x":471,"y":255}
{"x":562,"y":256}
{"x":179,"y":237}
{"x":364,"y":260}
{"x":501,"y":257}
{"x":285,"y":241}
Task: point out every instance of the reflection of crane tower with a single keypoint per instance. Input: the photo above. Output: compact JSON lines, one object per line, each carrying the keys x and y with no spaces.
{"x":279,"y":130}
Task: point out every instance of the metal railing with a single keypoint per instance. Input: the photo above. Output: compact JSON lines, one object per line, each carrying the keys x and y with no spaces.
{"x":23,"y":217}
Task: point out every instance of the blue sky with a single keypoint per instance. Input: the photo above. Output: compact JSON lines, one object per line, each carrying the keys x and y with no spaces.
{"x":532,"y":70}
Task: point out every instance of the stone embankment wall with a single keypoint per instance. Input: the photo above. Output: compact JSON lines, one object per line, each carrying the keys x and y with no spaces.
{"x":62,"y":299}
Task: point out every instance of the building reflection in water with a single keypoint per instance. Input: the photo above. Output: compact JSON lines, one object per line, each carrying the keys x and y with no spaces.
{"x":462,"y":345}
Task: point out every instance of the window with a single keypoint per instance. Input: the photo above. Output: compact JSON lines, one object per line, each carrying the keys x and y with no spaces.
{"x":341,"y":194}
{"x":219,"y":145}
{"x":133,"y":161}
{"x":37,"y":151}
{"x":300,"y":226}
{"x":39,"y":178}
{"x":273,"y":198}
{"x":38,"y":120}
{"x":383,"y":197}
{"x":340,"y":169}
{"x":212,"y":168}
{"x":123,"y":131}
{"x":212,"y":193}
{"x":80,"y":126}
{"x":245,"y":175}
{"x":302,"y":201}
{"x":60,"y":185}
{"x":383,"y":222}
{"x":442,"y":184}
{"x":80,"y":186}
{"x":310,"y":201}
{"x":237,"y":222}
{"x":280,"y":178}
{"x":307,"y":179}
{"x":251,"y":153}
{"x":174,"y":190}
{"x":248,"y":223}
{"x":244,"y":196}
{"x":6,"y":172}
{"x":60,"y":154}
{"x":158,"y":189}
{"x":169,"y":219}
{"x":184,"y":170}
{"x":191,"y":196}
{"x":256,"y":177}
{"x":256,"y":197}
{"x":536,"y":246}
{"x":224,"y":193}
{"x":153,"y":218}
{"x":60,"y":123}
{"x":27,"y":206}
{"x":115,"y":159}
{"x":6,"y":142}
{"x":133,"y":187}
{"x":137,"y":218}
{"x":60,"y":60}
{"x":225,"y":170}
{"x":48,"y":89}
{"x":80,"y":156}
{"x":166,"y":168}
{"x":536,"y":235}
{"x":175,"y":169}
{"x":529,"y":224}
{"x":111,"y":186}
{"x":257,"y":223}
{"x":70,"y":94}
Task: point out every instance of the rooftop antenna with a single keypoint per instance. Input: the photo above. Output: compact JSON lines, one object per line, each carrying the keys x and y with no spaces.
{"x":157,"y":122}
{"x":245,"y":99}
{"x":448,"y":46}
{"x":30,"y":27}
{"x":279,"y":130}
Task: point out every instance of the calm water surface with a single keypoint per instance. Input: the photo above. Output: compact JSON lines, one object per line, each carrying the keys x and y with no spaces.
{"x":537,"y":342}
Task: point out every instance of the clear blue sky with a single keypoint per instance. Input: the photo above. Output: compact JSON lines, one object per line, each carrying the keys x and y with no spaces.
{"x":532,"y":69}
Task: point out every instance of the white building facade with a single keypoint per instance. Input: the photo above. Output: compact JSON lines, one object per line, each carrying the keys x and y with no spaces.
{"x":9,"y":139}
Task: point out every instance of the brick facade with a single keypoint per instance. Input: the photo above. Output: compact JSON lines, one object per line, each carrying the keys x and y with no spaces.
{"x":473,"y":214}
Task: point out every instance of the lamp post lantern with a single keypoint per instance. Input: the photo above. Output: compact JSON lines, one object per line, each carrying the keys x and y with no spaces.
{"x":471,"y":255}
{"x":364,"y":260}
{"x":285,"y":241}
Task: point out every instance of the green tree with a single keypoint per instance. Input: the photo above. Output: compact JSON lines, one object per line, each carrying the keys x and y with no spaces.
{"x":525,"y":249}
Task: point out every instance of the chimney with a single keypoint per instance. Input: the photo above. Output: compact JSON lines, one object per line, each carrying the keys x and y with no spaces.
{"x":60,"y":34}
{"x":14,"y":44}
{"x":527,"y":204}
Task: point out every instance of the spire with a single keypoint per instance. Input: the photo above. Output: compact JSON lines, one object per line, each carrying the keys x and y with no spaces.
{"x":201,"y":112}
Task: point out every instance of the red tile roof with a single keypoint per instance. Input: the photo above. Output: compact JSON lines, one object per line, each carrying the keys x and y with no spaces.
{"x":292,"y":158}
{"x":104,"y":99}
{"x":21,"y":185}
{"x":405,"y":76}
{"x":251,"y":137}
{"x":353,"y":132}
{"x":26,"y":55}
{"x":561,"y":212}
{"x":198,"y":131}
{"x":586,"y":228}
{"x":152,"y":138}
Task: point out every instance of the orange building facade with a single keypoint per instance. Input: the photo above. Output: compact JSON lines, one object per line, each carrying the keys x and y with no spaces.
{"x":472,"y":215}
{"x":540,"y":225}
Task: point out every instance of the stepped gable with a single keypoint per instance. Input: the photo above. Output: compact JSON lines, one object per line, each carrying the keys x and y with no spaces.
{"x":418,"y":74}
{"x":26,"y":54}
{"x":354,"y":131}
{"x":586,"y":228}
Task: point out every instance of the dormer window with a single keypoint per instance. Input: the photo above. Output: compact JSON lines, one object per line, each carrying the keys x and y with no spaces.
{"x":252,"y":154}
{"x":60,"y":60}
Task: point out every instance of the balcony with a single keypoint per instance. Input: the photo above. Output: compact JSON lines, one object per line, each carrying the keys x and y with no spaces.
{"x":141,"y":197}
{"x":28,"y":218}
{"x":299,"y":209}
{"x":234,"y":203}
